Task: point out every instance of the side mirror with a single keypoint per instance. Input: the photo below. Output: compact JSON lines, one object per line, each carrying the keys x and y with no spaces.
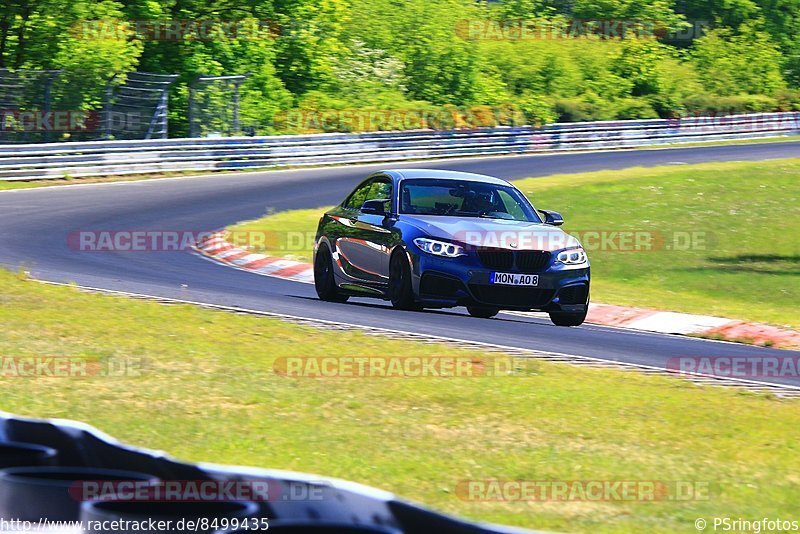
{"x":553,"y":218}
{"x":374,"y":207}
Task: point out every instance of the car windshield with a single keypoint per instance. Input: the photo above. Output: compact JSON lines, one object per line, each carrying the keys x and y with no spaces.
{"x":464,"y":198}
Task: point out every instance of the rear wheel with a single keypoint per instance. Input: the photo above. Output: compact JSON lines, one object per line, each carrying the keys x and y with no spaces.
{"x":484,"y":312}
{"x":400,"y":291}
{"x":324,"y":282}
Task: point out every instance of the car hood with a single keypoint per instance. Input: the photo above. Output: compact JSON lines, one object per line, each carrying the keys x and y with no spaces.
{"x":493,"y":233}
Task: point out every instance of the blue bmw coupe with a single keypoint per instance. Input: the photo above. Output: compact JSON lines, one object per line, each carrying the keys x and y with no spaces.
{"x":438,"y":239}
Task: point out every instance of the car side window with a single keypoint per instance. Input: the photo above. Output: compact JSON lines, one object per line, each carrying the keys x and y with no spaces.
{"x":380,"y":189}
{"x":358,"y":197}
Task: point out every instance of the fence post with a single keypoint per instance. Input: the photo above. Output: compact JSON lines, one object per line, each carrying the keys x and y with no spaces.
{"x":48,"y":85}
{"x":237,"y":130}
{"x":236,"y":80}
{"x":190,"y":113}
{"x":107,"y":107}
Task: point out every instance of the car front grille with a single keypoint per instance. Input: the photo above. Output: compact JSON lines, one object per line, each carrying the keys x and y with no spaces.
{"x":512,"y":296}
{"x":493,"y":258}
{"x":526,"y":261}
{"x":532,"y":261}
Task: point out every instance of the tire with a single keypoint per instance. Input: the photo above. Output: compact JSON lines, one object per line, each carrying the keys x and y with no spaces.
{"x":401,"y":293}
{"x":30,"y":492}
{"x":484,"y":312}
{"x":324,"y":282}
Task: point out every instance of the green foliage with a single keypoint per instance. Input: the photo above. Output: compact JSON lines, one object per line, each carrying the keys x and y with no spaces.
{"x":465,"y":63}
{"x":576,"y":110}
{"x":634,"y":108}
{"x":711,"y":104}
{"x":788,"y":100}
{"x":638,"y":63}
{"x":536,"y":109}
{"x":88,"y":65}
{"x":745,"y":61}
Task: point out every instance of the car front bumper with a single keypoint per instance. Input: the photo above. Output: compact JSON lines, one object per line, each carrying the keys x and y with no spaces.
{"x":447,"y":282}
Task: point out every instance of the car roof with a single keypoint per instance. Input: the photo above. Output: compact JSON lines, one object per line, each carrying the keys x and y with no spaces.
{"x":444,"y":175}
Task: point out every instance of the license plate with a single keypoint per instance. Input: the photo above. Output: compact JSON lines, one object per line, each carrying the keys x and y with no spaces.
{"x":512,"y":279}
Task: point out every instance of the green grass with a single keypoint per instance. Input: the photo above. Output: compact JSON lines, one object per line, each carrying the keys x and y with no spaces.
{"x":750,"y":213}
{"x":207,"y":392}
{"x":755,"y":141}
{"x":24,"y":185}
{"x":748,"y":216}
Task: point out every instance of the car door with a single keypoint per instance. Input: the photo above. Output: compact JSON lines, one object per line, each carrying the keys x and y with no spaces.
{"x":364,"y":245}
{"x":377,"y":235}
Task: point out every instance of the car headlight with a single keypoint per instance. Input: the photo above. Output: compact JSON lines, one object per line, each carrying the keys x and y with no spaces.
{"x":439,"y":248}
{"x":572,"y":256}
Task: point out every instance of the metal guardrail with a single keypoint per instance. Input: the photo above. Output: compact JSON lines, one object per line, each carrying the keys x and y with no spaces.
{"x":98,"y":158}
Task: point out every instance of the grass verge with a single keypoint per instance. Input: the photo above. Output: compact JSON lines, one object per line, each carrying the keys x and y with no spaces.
{"x":724,"y":235}
{"x":207,"y":391}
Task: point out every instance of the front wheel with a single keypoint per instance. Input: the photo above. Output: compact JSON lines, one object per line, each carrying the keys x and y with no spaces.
{"x":568,"y":318}
{"x":324,"y":282}
{"x":401,"y":294}
{"x":484,"y":312}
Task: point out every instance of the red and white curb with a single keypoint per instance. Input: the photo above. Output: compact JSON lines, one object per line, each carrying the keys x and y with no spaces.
{"x":218,"y":249}
{"x":689,"y":324}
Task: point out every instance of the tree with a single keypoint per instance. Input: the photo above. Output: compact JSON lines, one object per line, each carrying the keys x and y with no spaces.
{"x":744,"y":61}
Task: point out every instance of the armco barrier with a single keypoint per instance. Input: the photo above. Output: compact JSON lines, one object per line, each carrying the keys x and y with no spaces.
{"x":97,"y":158}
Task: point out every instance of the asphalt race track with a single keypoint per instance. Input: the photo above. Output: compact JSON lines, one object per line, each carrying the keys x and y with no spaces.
{"x":34,"y":225}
